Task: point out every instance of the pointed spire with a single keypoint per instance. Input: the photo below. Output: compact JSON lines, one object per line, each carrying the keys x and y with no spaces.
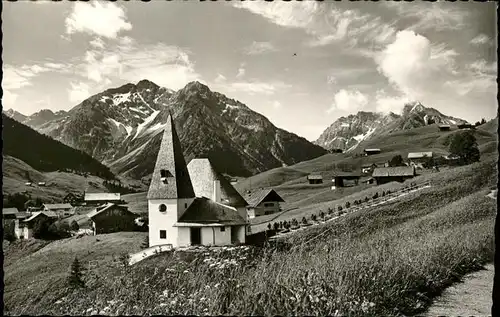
{"x":170,"y":177}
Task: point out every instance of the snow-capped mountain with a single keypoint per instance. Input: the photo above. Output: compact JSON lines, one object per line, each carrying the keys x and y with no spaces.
{"x":122,"y":128}
{"x":346,"y":132}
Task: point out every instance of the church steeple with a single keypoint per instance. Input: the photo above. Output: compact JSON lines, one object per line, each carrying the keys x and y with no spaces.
{"x":170,"y":177}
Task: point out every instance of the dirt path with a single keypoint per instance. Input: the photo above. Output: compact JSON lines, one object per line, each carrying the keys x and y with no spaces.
{"x":470,"y":298}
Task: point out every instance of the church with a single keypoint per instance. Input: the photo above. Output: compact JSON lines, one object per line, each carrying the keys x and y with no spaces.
{"x":192,"y":206}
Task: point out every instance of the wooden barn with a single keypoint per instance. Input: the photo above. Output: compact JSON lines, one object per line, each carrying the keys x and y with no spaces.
{"x":372,"y":151}
{"x":112,"y":218}
{"x":418,"y":158}
{"x":263,"y":202}
{"x":315,"y":179}
{"x":101,"y":198}
{"x":383,"y":175}
{"x":25,"y":228}
{"x":444,"y":127}
{"x":339,"y":180}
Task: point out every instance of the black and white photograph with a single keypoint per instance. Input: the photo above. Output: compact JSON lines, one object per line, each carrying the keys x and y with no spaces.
{"x":249,"y":158}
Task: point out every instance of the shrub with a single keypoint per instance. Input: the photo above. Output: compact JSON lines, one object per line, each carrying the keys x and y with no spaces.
{"x":347,"y":205}
{"x":340,"y":208}
{"x":313,"y":217}
{"x":383,"y":193}
{"x":375,"y":196}
{"x":145,"y":242}
{"x":269,"y":226}
{"x":366,"y":199}
{"x":330,"y":211}
{"x":322,"y":215}
{"x":304,"y":220}
{"x":276,"y":226}
{"x":295,"y":223}
{"x":75,"y":274}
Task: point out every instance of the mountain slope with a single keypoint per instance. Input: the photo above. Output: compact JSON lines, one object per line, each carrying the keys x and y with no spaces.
{"x":11,"y":113}
{"x":45,"y":154}
{"x":346,"y":132}
{"x":121,"y":127}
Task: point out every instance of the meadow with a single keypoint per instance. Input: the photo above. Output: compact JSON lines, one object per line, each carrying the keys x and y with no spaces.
{"x":391,"y":259}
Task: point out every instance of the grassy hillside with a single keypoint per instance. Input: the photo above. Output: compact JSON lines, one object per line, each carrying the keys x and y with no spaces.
{"x":389,"y":260}
{"x":44,"y":153}
{"x":58,"y":184}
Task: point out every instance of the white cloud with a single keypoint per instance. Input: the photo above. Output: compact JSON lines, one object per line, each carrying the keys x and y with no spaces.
{"x":97,"y":43}
{"x":254,"y":87}
{"x":480,"y":39}
{"x":439,"y":16}
{"x":8,"y":99}
{"x":78,"y":92}
{"x":276,"y":104}
{"x":386,"y":103}
{"x":241,"y":71}
{"x":220,"y":79}
{"x":98,"y":17}
{"x":257,"y":48}
{"x":483,"y":67}
{"x":351,"y":101}
{"x":331,"y":79}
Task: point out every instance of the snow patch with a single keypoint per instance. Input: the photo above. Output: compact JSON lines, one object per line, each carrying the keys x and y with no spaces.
{"x":144,"y":102}
{"x":453,"y":121}
{"x":119,"y":98}
{"x":345,"y":125}
{"x":104,"y":98}
{"x":117,"y":124}
{"x":228,"y":107}
{"x":145,"y":123}
{"x":137,"y":110}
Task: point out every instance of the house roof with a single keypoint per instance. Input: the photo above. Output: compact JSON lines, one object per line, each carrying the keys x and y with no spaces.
{"x":255,"y":198}
{"x":203,"y":175}
{"x":102,"y":196}
{"x":204,"y":210}
{"x":444,"y":125}
{"x":415,"y":155}
{"x":101,"y":209}
{"x":23,"y":214}
{"x":394,"y":171}
{"x":314,"y":176}
{"x":171,"y":159}
{"x":34,"y":215}
{"x":373,"y":150}
{"x":57,"y":206}
{"x":10,"y":211}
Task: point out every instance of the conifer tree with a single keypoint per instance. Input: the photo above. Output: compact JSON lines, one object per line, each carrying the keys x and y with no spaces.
{"x":75,"y":275}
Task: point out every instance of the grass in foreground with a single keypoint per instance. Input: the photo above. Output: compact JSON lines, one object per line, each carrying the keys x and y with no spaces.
{"x":391,"y":260}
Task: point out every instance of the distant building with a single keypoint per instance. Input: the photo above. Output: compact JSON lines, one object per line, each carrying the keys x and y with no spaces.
{"x":72,"y":199}
{"x":383,"y":175}
{"x":28,"y":183}
{"x":372,"y":151}
{"x":315,"y":179}
{"x":41,"y":184}
{"x":263,"y":202}
{"x":418,"y":158}
{"x":112,"y":218}
{"x":340,"y":178}
{"x":466,"y":126}
{"x":101,"y":198}
{"x":444,"y":127}
{"x":61,"y":210}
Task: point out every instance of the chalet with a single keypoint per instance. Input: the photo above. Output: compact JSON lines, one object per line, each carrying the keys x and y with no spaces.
{"x":315,"y":179}
{"x":13,"y":221}
{"x":26,"y":226}
{"x":110,"y":218}
{"x":372,"y":151}
{"x":418,"y":158}
{"x":444,"y":127}
{"x":384,"y":175}
{"x":176,"y":216}
{"x":263,"y":202}
{"x":61,"y":210}
{"x":101,"y":198}
{"x":340,"y":178}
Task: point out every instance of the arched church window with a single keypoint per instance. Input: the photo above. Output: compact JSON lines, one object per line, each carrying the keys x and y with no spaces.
{"x":162,"y":208}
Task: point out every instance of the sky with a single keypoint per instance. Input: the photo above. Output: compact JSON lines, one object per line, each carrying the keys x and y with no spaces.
{"x":302,"y":64}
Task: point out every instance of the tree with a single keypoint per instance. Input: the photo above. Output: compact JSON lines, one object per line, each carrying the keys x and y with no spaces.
{"x":477,"y":123}
{"x":269,"y":226}
{"x":322,"y":215}
{"x":304,"y":220}
{"x":347,"y":205}
{"x":74,"y":226}
{"x":464,"y":145}
{"x":41,"y":229}
{"x":330,"y":211}
{"x":375,"y":196}
{"x":366,"y":199}
{"x":313,"y":217}
{"x":396,"y":161}
{"x":483,"y":121}
{"x":75,"y":274}
{"x":276,"y":226}
{"x":340,"y":208}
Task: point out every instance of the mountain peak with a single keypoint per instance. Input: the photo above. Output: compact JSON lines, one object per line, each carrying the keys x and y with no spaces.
{"x":144,"y":84}
{"x":196,"y":85}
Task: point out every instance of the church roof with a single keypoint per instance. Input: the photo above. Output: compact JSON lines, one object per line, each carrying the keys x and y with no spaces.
{"x":170,"y":162}
{"x":203,"y":175}
{"x":204,"y":210}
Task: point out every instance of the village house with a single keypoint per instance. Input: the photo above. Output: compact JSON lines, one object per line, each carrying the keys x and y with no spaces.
{"x":176,"y":216}
{"x":383,"y":175}
{"x":101,"y":198}
{"x":12,"y":221}
{"x":418,"y":158}
{"x":372,"y":151}
{"x":26,"y":227}
{"x":340,"y":178}
{"x":263,"y":202}
{"x":111,"y":218}
{"x":61,"y":210}
{"x":42,"y":184}
{"x":444,"y":127}
{"x":315,"y":179}
{"x":72,"y":198}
